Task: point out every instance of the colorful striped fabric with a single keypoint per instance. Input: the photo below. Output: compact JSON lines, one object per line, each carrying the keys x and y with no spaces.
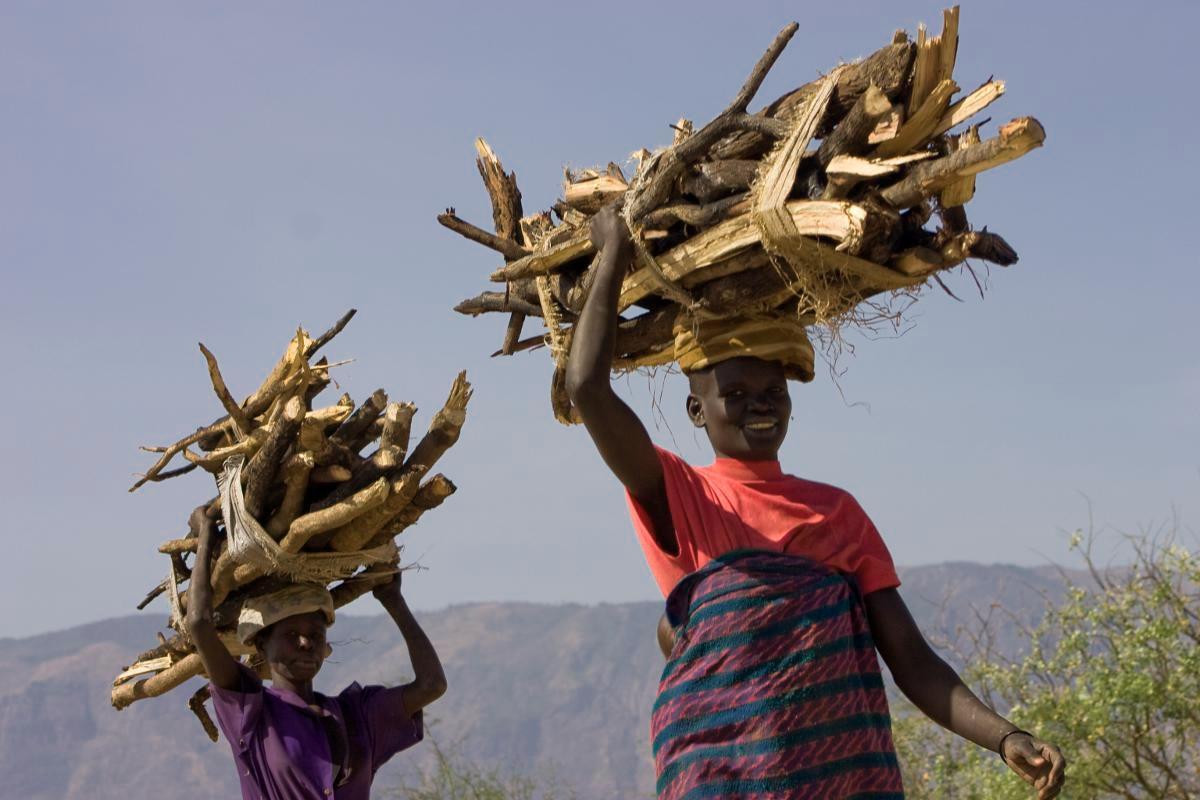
{"x":773,"y":689}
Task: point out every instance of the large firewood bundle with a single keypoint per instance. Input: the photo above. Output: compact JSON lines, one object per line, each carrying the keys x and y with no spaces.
{"x":846,"y":189}
{"x":325,"y":488}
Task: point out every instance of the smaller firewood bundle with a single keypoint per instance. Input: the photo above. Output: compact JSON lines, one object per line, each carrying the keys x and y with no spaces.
{"x":808,"y":208}
{"x":324,"y":488}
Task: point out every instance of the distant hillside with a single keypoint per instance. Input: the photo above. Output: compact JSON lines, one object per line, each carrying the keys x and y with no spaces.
{"x":564,"y":689}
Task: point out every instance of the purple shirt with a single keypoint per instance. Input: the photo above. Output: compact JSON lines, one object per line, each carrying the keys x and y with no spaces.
{"x":283,"y":747}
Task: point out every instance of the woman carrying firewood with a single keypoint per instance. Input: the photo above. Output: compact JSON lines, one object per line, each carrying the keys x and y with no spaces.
{"x":291,"y":742}
{"x":779,"y":589}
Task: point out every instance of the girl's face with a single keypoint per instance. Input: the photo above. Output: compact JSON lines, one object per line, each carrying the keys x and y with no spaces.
{"x":295,"y":647}
{"x":744,"y":406}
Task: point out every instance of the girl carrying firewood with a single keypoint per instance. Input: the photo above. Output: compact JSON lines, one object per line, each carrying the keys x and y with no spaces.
{"x":779,"y":589}
{"x":291,"y":742}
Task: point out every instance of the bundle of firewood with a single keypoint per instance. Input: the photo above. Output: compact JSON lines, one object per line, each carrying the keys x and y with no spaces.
{"x":326,"y":489}
{"x":848,"y":188}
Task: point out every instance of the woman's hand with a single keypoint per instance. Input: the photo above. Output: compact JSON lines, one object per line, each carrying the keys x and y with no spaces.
{"x":1040,"y":764}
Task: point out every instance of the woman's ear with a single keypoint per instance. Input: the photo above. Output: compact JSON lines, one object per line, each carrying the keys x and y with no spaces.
{"x":328,"y":649}
{"x":695,"y":410}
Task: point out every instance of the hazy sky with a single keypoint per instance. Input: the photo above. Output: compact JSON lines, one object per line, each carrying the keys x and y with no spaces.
{"x":223,"y":172}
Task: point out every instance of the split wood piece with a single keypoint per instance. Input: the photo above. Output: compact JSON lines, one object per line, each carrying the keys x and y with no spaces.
{"x":196,"y":704}
{"x":359,"y":422}
{"x":846,"y":172}
{"x":887,"y":68}
{"x":779,"y":171}
{"x":241,"y":423}
{"x":295,"y":480}
{"x":836,"y":220}
{"x":593,"y":193}
{"x":540,"y":263}
{"x":431,"y":495}
{"x":144,"y":667}
{"x":921,"y":124}
{"x":969,"y":106}
{"x":498,"y":302}
{"x":326,"y":337}
{"x":923,"y":261}
{"x":126,"y":694}
{"x":711,"y":180}
{"x":507,"y":247}
{"x":512,"y":332}
{"x":934,"y":59}
{"x":960,"y":192}
{"x":355,"y":534}
{"x":186,"y":545}
{"x":888,"y":127}
{"x":215,"y":461}
{"x":849,"y":138}
{"x":445,"y":426}
{"x":1015,"y":140}
{"x":503,"y":191}
{"x":660,"y":176}
{"x":262,"y":469}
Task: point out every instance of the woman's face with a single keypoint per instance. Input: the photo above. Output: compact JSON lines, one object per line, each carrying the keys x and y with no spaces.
{"x":744,"y":406}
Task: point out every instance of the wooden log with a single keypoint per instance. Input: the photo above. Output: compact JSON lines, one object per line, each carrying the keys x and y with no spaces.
{"x":295,"y":478}
{"x":326,"y":337}
{"x":512,"y":332}
{"x":507,"y":247}
{"x":711,"y":180}
{"x":185,"y":545}
{"x":241,"y":422}
{"x":935,"y":59}
{"x":503,"y":302}
{"x":330,"y":473}
{"x":1015,"y":140}
{"x":445,"y":426}
{"x":886,"y":68}
{"x":330,"y":416}
{"x":651,"y":330}
{"x":306,"y":526}
{"x":393,"y":441}
{"x":849,"y":137}
{"x":126,"y":694}
{"x":263,"y":467}
{"x":350,"y":432}
{"x":698,"y":216}
{"x":924,"y":261}
{"x":969,"y":106}
{"x":196,"y":704}
{"x":431,"y":495}
{"x":356,"y":533}
{"x":215,"y":461}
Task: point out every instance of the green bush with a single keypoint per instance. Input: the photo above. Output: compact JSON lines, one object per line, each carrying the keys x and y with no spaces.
{"x":1111,"y":675}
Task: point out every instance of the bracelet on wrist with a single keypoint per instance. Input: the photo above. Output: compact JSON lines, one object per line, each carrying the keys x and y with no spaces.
{"x":1004,"y":738}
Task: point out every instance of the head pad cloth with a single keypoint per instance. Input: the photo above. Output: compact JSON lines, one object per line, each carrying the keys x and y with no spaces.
{"x":702,"y":343}
{"x":259,"y":613}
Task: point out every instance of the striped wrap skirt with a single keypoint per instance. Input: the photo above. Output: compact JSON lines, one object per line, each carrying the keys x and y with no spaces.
{"x":773,"y":689}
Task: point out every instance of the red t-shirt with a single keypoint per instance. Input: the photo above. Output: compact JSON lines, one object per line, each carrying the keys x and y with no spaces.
{"x":735,"y":505}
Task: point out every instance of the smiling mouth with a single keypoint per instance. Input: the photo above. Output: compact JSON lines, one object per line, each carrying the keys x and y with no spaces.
{"x":762,"y":426}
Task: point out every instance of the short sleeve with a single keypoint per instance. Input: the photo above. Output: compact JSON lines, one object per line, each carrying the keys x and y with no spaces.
{"x":383,"y":715}
{"x":681,"y":483}
{"x":239,"y":710}
{"x":873,"y":568}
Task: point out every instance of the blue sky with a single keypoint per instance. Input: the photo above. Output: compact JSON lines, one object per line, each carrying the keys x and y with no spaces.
{"x":223,"y":172}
